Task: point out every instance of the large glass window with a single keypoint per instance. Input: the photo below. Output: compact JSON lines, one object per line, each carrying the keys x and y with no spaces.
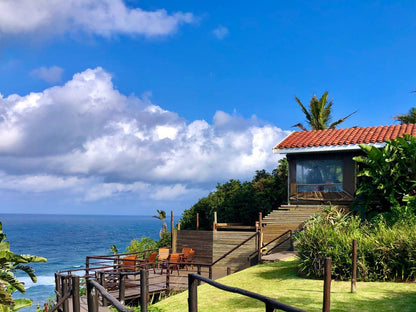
{"x":319,"y":176}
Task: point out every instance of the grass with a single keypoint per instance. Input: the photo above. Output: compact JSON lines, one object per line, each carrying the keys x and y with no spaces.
{"x":280,"y":281}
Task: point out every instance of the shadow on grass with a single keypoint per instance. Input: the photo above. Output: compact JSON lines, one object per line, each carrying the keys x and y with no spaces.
{"x":280,"y":270}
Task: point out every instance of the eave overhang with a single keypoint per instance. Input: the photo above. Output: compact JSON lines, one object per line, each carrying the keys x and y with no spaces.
{"x":320,"y":149}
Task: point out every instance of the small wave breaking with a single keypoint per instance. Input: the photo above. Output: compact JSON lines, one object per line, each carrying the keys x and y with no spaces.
{"x":45,"y":280}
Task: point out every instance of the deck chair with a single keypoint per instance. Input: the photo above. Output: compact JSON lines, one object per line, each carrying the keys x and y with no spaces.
{"x":163,"y":254}
{"x":189,"y":259}
{"x":152,"y":260}
{"x":129,"y":263}
{"x":172,"y":264}
{"x":185,"y":251}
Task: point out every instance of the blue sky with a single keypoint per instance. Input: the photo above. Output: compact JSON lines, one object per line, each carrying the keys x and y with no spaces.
{"x":125,"y":107}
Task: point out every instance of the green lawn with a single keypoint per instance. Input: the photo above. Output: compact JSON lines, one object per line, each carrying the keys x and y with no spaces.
{"x":280,"y":281}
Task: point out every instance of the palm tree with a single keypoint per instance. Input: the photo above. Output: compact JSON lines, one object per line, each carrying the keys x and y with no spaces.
{"x":410,"y":117}
{"x":161,"y":215}
{"x":319,"y":114}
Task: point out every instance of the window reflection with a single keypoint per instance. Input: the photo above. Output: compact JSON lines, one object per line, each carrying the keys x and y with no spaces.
{"x":319,"y":176}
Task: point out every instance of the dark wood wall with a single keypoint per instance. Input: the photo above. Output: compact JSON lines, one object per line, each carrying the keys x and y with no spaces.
{"x":210,"y":246}
{"x":200,"y":241}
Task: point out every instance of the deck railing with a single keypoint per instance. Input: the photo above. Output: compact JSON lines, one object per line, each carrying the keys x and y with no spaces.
{"x":271,"y":304}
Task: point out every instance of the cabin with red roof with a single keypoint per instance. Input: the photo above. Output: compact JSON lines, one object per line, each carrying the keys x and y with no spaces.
{"x":321,"y":168}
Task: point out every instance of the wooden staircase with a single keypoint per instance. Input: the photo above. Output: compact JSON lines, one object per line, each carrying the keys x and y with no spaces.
{"x":287,"y":217}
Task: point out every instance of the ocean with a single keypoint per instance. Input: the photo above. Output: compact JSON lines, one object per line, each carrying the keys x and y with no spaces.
{"x":66,"y":240}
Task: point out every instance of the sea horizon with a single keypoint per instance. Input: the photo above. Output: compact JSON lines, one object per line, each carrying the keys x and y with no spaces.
{"x":66,"y":239}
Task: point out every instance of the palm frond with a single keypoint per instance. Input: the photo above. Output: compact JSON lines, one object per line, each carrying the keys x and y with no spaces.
{"x":336,"y":123}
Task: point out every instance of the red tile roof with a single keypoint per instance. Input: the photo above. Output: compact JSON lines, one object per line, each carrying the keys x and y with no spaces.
{"x":349,"y":136}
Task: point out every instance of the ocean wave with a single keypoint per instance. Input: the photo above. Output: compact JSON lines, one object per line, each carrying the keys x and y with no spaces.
{"x":45,"y":280}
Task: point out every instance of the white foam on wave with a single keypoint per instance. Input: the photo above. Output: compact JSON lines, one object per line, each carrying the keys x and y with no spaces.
{"x":45,"y":280}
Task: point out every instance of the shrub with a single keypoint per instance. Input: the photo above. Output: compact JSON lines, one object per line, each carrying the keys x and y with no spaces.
{"x":144,"y":243}
{"x":385,"y":253}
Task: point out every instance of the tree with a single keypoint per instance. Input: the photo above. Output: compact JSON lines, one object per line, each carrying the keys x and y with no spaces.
{"x":410,"y":117}
{"x":10,"y":263}
{"x":319,"y":114}
{"x":161,"y":215}
{"x":240,"y":202}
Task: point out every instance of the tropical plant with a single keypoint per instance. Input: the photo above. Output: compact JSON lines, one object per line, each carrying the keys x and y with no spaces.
{"x":410,"y":117}
{"x":385,"y":253}
{"x":387,"y":179}
{"x":318,"y":116}
{"x":114,"y":249}
{"x":161,"y":215}
{"x":9,"y":264}
{"x":145,"y":243}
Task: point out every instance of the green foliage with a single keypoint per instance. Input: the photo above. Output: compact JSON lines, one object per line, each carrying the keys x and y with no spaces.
{"x":165,"y":240}
{"x":9,"y":264}
{"x":388,"y":179}
{"x":18,"y":304}
{"x":240,"y":202}
{"x":114,"y":249}
{"x":50,"y":302}
{"x":385,"y":253}
{"x":145,"y":243}
{"x":318,"y":115}
{"x":410,"y":117}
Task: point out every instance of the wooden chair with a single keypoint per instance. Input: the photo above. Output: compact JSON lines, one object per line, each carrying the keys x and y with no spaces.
{"x":163,"y":254}
{"x":172,"y":264}
{"x":185,"y":251}
{"x":189,"y":259}
{"x":152,"y":260}
{"x":129,"y":264}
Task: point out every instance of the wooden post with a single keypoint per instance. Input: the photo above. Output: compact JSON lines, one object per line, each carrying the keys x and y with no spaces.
{"x":171,"y":230}
{"x":192,"y":294}
{"x":167,"y":278}
{"x":174,"y":240}
{"x":259,"y":244}
{"x":58,"y":287}
{"x":291,"y":240}
{"x":260,"y":219}
{"x":270,"y":308}
{"x":354,"y":266}
{"x":65,"y":291}
{"x":75,"y":294}
{"x":144,"y":289}
{"x":92,"y":307}
{"x":179,"y":226}
{"x":102,"y":282}
{"x":228,"y":271}
{"x":122,"y":288}
{"x":327,"y":285}
{"x":214,"y":226}
{"x":87,"y":265}
{"x":197,"y":221}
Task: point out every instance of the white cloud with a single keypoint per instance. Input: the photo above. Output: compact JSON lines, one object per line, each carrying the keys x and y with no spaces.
{"x":49,"y":74}
{"x":220,"y":32}
{"x":38,"y":183}
{"x":88,"y":138}
{"x":99,"y":17}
